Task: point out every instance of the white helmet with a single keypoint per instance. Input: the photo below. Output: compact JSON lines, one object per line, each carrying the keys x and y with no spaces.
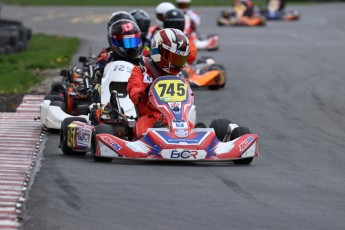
{"x":161,"y":9}
{"x":183,"y":4}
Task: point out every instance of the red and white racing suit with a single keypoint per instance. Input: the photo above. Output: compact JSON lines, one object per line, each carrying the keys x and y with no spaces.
{"x":140,"y":79}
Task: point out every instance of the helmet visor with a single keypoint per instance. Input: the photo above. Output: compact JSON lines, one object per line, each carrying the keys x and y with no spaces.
{"x":174,"y":59}
{"x":183,"y":5}
{"x":126,"y":41}
{"x":160,"y":17}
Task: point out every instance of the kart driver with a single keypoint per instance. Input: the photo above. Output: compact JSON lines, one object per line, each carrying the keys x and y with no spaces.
{"x":161,"y":9}
{"x":192,"y":16}
{"x":275,"y":5}
{"x":169,"y":52}
{"x":175,"y":19}
{"x":124,"y":41}
{"x":243,"y":8}
{"x":114,"y":17}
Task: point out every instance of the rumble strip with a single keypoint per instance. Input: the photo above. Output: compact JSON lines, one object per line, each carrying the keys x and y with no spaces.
{"x":20,"y":138}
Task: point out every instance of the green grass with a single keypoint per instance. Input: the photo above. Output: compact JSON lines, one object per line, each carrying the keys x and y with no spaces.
{"x":19,"y":71}
{"x":125,"y":3}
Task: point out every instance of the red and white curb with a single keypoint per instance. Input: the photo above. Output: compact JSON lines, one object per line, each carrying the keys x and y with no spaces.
{"x":20,"y":138}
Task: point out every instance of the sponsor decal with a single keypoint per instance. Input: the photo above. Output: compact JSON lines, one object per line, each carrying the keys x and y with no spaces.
{"x":83,"y":137}
{"x":127,"y":27}
{"x":194,"y":139}
{"x":147,"y":78}
{"x":181,"y":132}
{"x":175,"y":106}
{"x":116,"y":146}
{"x":180,"y":125}
{"x":111,"y":142}
{"x":179,"y":52}
{"x":246,"y":143}
{"x":183,"y":154}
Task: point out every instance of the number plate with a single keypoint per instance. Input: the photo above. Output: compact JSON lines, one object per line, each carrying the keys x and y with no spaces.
{"x":171,"y":90}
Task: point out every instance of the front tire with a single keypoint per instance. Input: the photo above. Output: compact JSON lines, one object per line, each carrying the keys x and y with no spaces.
{"x":64,"y":134}
{"x":101,"y":129}
{"x":236,"y":133}
{"x":220,"y":127}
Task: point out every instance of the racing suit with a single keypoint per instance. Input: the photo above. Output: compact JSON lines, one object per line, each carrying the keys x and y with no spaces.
{"x":244,"y":8}
{"x":194,"y":21}
{"x":106,"y":56}
{"x":275,"y":5}
{"x":138,"y":85}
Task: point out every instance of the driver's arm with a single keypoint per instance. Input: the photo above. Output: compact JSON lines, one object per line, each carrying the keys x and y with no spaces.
{"x":136,"y":86}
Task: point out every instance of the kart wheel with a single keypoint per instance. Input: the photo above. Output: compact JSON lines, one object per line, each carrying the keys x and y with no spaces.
{"x":53,"y":98}
{"x":64,"y":133}
{"x":59,"y":104}
{"x":57,"y":88}
{"x":217,"y":67}
{"x":220,"y":127}
{"x":236,"y":133}
{"x":99,"y":129}
{"x":214,"y":87}
{"x":83,"y":109}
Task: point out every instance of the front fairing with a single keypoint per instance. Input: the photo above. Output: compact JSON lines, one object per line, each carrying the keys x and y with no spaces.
{"x":161,"y":144}
{"x":172,"y":96}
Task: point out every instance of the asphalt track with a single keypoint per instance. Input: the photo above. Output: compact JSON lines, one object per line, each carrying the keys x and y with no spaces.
{"x":285,"y":82}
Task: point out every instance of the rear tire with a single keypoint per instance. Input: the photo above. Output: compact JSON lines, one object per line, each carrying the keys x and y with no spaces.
{"x":99,"y":129}
{"x":214,"y":87}
{"x":57,"y":88}
{"x":59,"y":104}
{"x":64,"y":133}
{"x":220,"y":127}
{"x":53,"y":98}
{"x":236,"y":133}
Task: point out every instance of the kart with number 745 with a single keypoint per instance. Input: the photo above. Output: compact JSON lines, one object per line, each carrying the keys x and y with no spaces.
{"x":223,"y":141}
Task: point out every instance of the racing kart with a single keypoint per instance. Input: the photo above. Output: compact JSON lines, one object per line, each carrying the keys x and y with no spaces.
{"x":276,"y":15}
{"x":230,"y":18}
{"x":71,"y":97}
{"x":223,"y":141}
{"x":210,"y":43}
{"x":205,"y":73}
{"x":275,"y":11}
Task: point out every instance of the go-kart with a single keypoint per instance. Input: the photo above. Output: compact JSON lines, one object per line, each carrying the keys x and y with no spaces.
{"x":291,"y":15}
{"x":231,"y":18}
{"x":223,"y":141}
{"x":205,"y":73}
{"x":275,"y":11}
{"x":71,"y":97}
{"x":210,"y":43}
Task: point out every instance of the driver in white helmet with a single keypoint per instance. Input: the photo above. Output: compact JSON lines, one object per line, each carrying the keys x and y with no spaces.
{"x":161,"y":9}
{"x":191,"y":15}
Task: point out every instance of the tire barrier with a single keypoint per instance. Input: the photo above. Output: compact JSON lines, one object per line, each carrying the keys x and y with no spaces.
{"x":14,"y":36}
